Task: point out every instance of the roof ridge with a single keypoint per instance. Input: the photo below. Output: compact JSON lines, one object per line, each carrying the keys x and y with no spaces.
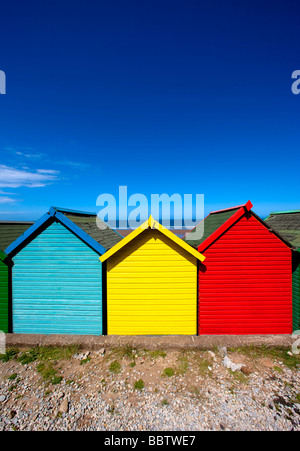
{"x":223,"y":227}
{"x":283,"y":212}
{"x":79,"y":212}
{"x":248,"y":205}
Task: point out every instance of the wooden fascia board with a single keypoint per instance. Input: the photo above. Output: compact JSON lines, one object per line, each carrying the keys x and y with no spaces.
{"x":152,"y":224}
{"x":13,"y":247}
{"x":215,"y":235}
{"x":178,"y":241}
{"x":125,"y":241}
{"x":80,"y":233}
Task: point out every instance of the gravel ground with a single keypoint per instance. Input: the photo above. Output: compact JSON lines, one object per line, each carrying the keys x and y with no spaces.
{"x":131,"y":390}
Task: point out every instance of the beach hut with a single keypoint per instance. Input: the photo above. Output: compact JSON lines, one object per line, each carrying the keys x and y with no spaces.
{"x":4,"y":286}
{"x":151,"y":283}
{"x":287,"y":223}
{"x":245,"y":283}
{"x":57,"y":274}
{"x":9,"y":231}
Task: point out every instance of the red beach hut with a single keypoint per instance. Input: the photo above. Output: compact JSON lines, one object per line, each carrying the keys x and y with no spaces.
{"x":245,"y":282}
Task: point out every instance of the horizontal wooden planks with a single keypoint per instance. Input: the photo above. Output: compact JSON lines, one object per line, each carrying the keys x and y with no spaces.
{"x":152,"y":288}
{"x":57,"y":285}
{"x":245,"y":282}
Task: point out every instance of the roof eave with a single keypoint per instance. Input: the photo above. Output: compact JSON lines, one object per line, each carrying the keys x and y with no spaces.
{"x":14,"y":247}
{"x":220,"y":230}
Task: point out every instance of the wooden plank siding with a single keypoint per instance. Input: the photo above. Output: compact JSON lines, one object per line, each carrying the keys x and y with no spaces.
{"x":152,"y":288}
{"x":245,"y":284}
{"x":3,"y":297}
{"x":57,"y":285}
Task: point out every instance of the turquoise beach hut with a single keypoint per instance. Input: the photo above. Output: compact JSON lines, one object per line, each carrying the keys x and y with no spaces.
{"x":57,"y":275}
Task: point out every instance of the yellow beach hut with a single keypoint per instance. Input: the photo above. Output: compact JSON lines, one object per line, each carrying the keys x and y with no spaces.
{"x":151,"y":283}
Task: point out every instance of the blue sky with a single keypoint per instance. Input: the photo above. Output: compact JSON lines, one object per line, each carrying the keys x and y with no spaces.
{"x":161,"y":96}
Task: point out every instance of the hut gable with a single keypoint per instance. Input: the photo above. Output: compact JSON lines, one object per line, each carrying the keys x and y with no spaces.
{"x":93,"y":226}
{"x":151,"y":283}
{"x":82,"y":224}
{"x":245,"y":283}
{"x":152,"y":224}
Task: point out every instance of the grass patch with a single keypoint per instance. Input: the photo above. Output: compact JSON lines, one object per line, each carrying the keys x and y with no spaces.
{"x":182,"y":364}
{"x":58,"y":353}
{"x":157,"y":353}
{"x":115,"y":367}
{"x":123,"y":351}
{"x":29,"y":356}
{"x":44,"y":353}
{"x":238,"y":376}
{"x":48,"y":373}
{"x":12,"y":377}
{"x":12,"y":387}
{"x":273,"y":352}
{"x":56,"y":380}
{"x":139,"y":385}
{"x":168,"y":372}
{"x":165,"y":402}
{"x":9,"y":355}
{"x":83,"y":361}
{"x":46,"y":370}
{"x":203,"y":365}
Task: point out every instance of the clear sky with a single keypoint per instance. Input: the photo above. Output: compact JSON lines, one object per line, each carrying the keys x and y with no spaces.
{"x":162,"y":96}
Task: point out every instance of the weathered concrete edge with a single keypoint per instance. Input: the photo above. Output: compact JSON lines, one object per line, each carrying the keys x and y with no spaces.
{"x":175,"y":342}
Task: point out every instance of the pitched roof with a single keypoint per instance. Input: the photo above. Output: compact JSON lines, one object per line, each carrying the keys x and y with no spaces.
{"x":210,"y":224}
{"x":84,"y":225}
{"x":152,"y":224}
{"x":217,"y":222}
{"x":93,"y":226}
{"x":10,"y":231}
{"x":287,"y":223}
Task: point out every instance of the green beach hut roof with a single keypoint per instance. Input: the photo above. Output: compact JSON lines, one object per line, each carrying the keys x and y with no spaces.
{"x":287,"y":223}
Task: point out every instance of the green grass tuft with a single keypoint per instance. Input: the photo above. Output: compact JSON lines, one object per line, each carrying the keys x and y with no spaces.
{"x":157,"y":353}
{"x":9,"y":355}
{"x":12,"y":377}
{"x":115,"y":367}
{"x":139,"y":385}
{"x":168,"y":372}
